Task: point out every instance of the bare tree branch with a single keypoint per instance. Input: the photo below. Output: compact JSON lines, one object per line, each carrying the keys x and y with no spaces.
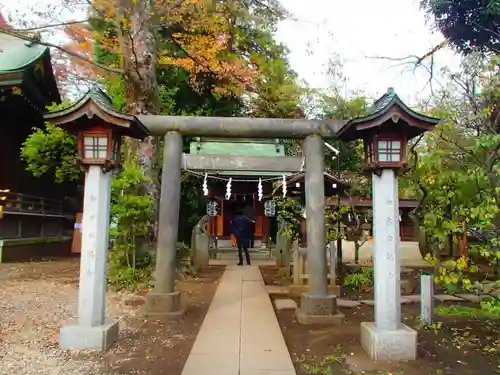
{"x":62,"y":49}
{"x":486,"y":29}
{"x":418,"y":61}
{"x":49,"y":26}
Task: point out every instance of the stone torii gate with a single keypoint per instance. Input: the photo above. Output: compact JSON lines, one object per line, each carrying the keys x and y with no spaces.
{"x":99,"y":129}
{"x":318,"y":304}
{"x":385,"y":131}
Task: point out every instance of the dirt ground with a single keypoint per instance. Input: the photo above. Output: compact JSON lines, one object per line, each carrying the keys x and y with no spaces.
{"x":37,"y":298}
{"x":461,"y":346}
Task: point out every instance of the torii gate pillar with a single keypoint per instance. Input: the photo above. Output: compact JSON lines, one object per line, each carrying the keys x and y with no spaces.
{"x":164,"y":301}
{"x":318,"y":305}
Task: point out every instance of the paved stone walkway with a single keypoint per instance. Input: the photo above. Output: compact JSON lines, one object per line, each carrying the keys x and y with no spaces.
{"x":240,"y":334}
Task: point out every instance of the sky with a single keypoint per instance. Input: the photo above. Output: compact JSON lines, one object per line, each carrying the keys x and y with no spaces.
{"x":357,"y":31}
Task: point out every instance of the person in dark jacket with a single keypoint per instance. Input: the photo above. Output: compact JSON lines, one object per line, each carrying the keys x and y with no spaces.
{"x":241,"y":227}
{"x":250,"y":214}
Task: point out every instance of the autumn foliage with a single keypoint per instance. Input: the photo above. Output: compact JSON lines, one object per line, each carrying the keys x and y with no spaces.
{"x":196,"y":35}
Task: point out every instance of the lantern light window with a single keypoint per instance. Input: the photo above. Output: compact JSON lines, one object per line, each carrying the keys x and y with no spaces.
{"x":389,"y":151}
{"x":95,"y":146}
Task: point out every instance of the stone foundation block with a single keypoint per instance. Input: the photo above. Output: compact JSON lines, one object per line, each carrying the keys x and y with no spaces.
{"x":318,"y":310}
{"x":285,"y":304}
{"x":385,"y":345}
{"x":298,"y":290}
{"x":164,"y":305}
{"x":74,"y":336}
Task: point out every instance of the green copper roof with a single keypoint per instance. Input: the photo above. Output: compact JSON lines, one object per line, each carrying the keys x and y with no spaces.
{"x":17,"y":54}
{"x":242,"y":147}
{"x":383,"y":101}
{"x":386,"y":101}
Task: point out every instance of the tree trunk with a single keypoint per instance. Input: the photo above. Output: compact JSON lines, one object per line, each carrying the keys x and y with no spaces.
{"x":141,"y":89}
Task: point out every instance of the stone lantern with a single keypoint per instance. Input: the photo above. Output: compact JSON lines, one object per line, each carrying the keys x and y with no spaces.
{"x":385,"y":150}
{"x":99,"y":130}
{"x":385,"y":132}
{"x":99,"y":145}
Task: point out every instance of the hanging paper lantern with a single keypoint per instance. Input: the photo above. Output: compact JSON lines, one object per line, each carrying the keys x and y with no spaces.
{"x":205,"y":185}
{"x":228,"y":188}
{"x":283,"y":184}
{"x":212,"y":208}
{"x":260,"y":190}
{"x":270,"y":208}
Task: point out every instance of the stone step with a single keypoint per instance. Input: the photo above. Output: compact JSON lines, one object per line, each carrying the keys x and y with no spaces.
{"x":289,"y":304}
{"x":347,"y":303}
{"x":415,"y":298}
{"x":285,"y":304}
{"x":277,"y":290}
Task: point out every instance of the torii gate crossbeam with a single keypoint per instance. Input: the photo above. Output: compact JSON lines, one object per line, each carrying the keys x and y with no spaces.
{"x":240,"y":127}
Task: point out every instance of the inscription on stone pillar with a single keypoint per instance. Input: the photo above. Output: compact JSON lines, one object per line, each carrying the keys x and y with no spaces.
{"x":318,"y":305}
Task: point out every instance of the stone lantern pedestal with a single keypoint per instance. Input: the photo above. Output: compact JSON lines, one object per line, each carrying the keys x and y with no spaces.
{"x":387,"y":338}
{"x":385,"y":132}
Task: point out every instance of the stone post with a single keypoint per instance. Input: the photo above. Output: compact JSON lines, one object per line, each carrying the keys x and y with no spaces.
{"x":163,"y":300}
{"x":333,"y":264}
{"x":318,"y":306}
{"x":387,"y":338}
{"x":426,"y":298}
{"x":92,"y":330}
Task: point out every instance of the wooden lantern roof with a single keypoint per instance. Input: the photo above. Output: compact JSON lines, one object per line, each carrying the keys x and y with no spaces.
{"x":392,"y":113}
{"x":96,"y":109}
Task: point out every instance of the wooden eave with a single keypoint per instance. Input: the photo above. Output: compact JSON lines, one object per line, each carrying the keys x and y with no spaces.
{"x":38,"y":97}
{"x":29,"y":91}
{"x":11,"y":78}
{"x":414,"y":122}
{"x":50,"y":79}
{"x":88,"y":108}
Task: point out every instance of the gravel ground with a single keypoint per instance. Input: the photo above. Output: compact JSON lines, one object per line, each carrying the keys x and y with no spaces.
{"x":35,"y":300}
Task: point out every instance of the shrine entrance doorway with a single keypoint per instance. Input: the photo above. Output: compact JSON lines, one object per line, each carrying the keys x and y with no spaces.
{"x":244,"y":184}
